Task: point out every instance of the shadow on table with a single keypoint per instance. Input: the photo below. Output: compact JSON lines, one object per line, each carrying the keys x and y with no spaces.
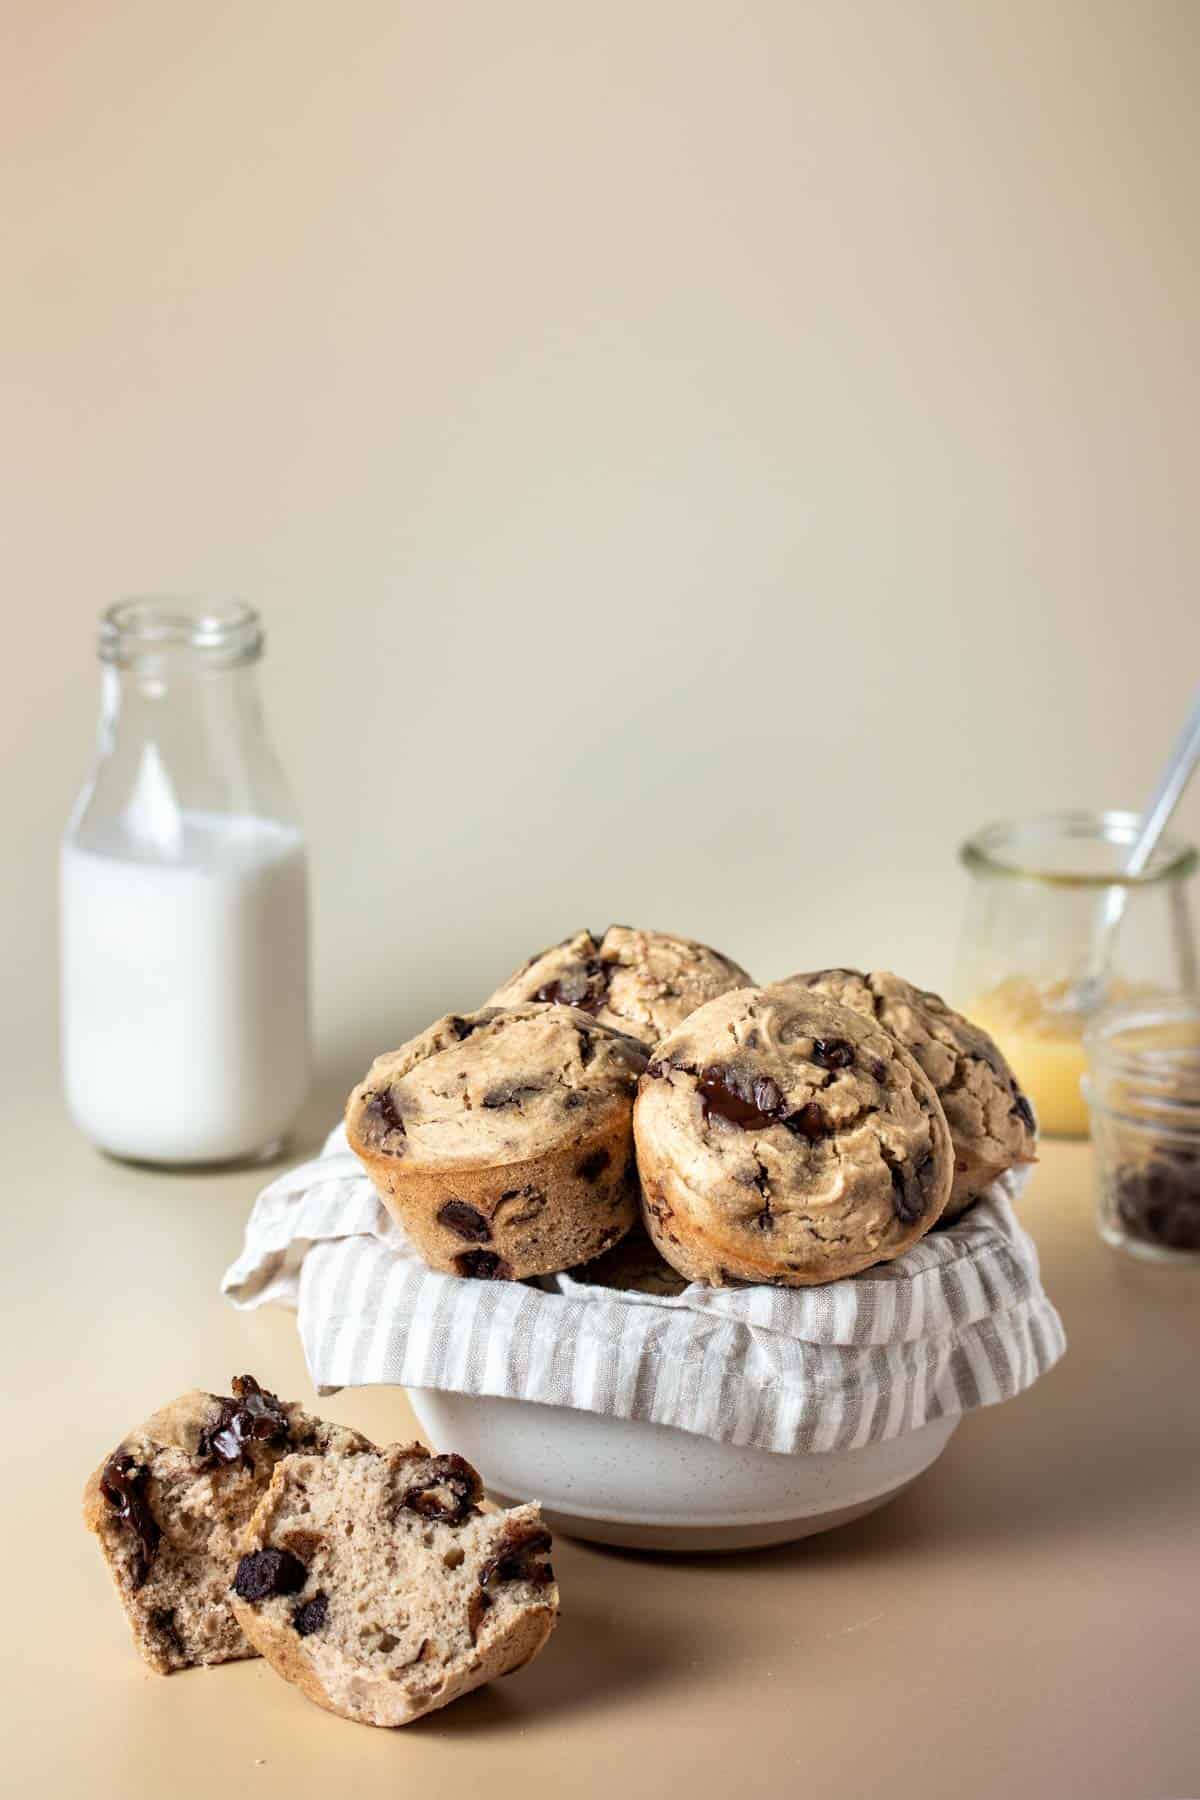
{"x":1083,"y":1452}
{"x":592,"y":1661}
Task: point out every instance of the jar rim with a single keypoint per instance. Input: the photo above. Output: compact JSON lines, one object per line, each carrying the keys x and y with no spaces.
{"x":992,"y":851}
{"x":1178,"y":1122}
{"x":147,"y":627}
{"x":1103,"y":1034}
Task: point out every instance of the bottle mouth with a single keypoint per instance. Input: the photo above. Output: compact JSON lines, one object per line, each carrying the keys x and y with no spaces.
{"x":150,"y":628}
{"x":1073,"y":849}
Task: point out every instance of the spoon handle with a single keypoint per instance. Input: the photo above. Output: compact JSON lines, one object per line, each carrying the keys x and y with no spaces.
{"x":1175,"y":778}
{"x":1180,"y":765}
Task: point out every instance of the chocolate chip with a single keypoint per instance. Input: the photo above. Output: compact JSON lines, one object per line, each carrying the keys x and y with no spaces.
{"x":521,"y":1554}
{"x":593,"y":1165}
{"x":584,"y":987}
{"x":752,"y":1102}
{"x":1159,"y":1203}
{"x":908,"y":1202}
{"x":311,"y":1616}
{"x":380,"y":1109}
{"x":462,"y":1028}
{"x":880,"y":1071}
{"x":587,"y":1048}
{"x":573,"y":1099}
{"x":162,"y":1620}
{"x":123,"y":1485}
{"x":449,"y":1491}
{"x":832,"y":1053}
{"x":465,"y":1221}
{"x":810,"y":1122}
{"x":264,"y":1572}
{"x":483,"y":1265}
{"x":249,"y":1416}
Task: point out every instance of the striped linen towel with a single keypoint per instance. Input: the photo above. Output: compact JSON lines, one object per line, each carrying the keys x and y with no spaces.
{"x":960,"y":1321}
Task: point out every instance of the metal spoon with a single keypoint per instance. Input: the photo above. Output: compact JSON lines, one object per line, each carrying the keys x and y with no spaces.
{"x":1088,"y":993}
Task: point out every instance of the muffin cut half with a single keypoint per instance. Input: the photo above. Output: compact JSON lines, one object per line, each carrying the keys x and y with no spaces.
{"x":383,"y":1587}
{"x":170,"y":1504}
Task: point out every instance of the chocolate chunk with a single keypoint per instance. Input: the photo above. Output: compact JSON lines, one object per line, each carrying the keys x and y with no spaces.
{"x":162,"y":1620}
{"x":832,"y":1053}
{"x":249,"y":1416}
{"x":593,"y":1165}
{"x":380,"y":1110}
{"x":521,"y":1554}
{"x":311,"y":1616}
{"x":509,"y":1093}
{"x":264,"y":1572}
{"x":483,"y":1265}
{"x":810,"y":1122}
{"x":584,"y":987}
{"x":462,"y":1028}
{"x":449,"y":1491}
{"x":1159,"y":1203}
{"x":465,"y":1222}
{"x":1023,"y":1110}
{"x":587,"y":1048}
{"x":908,"y":1202}
{"x":123,"y":1485}
{"x":751,"y":1101}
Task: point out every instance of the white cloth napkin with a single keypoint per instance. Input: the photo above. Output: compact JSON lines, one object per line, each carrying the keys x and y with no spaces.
{"x":960,"y":1321}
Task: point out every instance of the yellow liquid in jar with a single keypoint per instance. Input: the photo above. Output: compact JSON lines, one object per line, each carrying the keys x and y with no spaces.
{"x":1044,"y":1044}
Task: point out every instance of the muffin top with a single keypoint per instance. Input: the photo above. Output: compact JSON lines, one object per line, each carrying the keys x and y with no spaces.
{"x":990,"y":1120}
{"x":784,"y":1137}
{"x":495,"y":1086}
{"x":643,"y":982}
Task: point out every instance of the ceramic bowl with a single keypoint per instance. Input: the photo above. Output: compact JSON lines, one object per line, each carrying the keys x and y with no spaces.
{"x":651,"y":1487}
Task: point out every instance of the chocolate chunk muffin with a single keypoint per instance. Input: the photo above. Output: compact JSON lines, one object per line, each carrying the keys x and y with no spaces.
{"x":502,"y":1141}
{"x":643,"y":982}
{"x":383,"y":1589}
{"x":171,"y":1502}
{"x":991,"y":1121}
{"x":783,"y":1138}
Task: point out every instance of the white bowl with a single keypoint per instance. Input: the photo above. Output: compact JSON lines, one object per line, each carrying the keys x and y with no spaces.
{"x":651,"y":1487}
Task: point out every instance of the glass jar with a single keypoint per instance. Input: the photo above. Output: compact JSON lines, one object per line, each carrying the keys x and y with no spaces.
{"x":183,"y":900}
{"x":1143,"y":1089}
{"x":1041,"y":890}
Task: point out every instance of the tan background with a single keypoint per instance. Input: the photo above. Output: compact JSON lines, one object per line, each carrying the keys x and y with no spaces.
{"x":696,"y":461}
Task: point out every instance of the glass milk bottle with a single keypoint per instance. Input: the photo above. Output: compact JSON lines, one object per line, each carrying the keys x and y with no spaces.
{"x":184,"y":900}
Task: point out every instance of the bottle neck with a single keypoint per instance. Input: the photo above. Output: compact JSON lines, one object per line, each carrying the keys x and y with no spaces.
{"x":181,"y":744}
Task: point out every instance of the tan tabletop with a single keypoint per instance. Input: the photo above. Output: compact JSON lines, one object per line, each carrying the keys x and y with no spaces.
{"x":1023,"y":1622}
